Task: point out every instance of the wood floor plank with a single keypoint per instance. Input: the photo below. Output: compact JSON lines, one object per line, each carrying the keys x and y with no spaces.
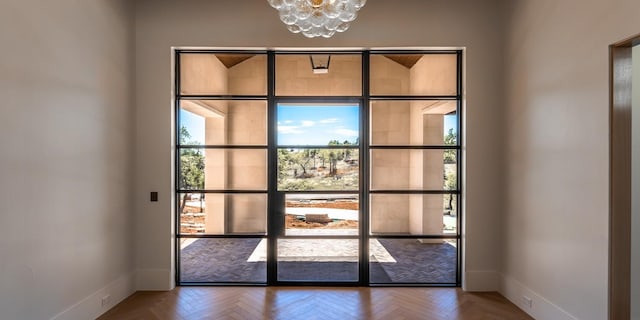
{"x":314,"y":303}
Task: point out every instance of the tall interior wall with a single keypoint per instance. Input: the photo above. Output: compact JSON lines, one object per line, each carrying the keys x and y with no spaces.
{"x":554,"y":244}
{"x":163,"y":24}
{"x":555,"y":198}
{"x":67,"y":134}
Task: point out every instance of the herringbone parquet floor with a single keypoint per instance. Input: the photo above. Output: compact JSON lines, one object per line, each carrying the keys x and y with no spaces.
{"x":186,"y":303}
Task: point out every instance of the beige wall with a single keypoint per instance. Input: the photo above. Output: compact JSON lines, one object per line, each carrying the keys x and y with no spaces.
{"x":433,"y":74}
{"x":388,"y":77}
{"x":249,"y":77}
{"x":294,"y":76}
{"x":552,"y":186}
{"x":406,"y":123}
{"x":161,"y":24}
{"x":230,"y":123}
{"x":390,"y":122}
{"x":390,"y":213}
{"x":556,"y":173}
{"x":203,"y":74}
{"x":66,"y":131}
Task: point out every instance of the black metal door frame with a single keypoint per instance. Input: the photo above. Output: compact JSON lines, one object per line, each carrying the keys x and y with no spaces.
{"x":275,"y":202}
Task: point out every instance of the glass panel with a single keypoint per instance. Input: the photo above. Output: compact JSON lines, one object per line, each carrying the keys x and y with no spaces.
{"x":191,"y":169}
{"x":220,"y":169}
{"x":405,"y":169}
{"x":422,"y":122}
{"x":450,"y":219}
{"x":223,"y":74}
{"x":413,"y":261}
{"x":223,"y":122}
{"x":318,"y":124}
{"x":223,"y":260}
{"x":216,"y":213}
{"x":318,"y":169}
{"x":318,"y":259}
{"x":321,"y":214}
{"x":330,"y":168}
{"x":414,"y":74}
{"x":413,"y":214}
{"x":295,"y":75}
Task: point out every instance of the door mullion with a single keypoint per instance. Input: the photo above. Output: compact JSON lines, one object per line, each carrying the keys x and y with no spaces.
{"x":272,"y":162}
{"x":363,"y":260}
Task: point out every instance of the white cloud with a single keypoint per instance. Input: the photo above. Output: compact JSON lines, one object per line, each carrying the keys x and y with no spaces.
{"x":288,"y":121}
{"x":330,"y":120}
{"x":347,"y":132}
{"x":307,"y":123}
{"x":289,"y":130}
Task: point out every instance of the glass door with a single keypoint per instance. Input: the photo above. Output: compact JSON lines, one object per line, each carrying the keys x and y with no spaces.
{"x":318,"y":167}
{"x":318,"y":183}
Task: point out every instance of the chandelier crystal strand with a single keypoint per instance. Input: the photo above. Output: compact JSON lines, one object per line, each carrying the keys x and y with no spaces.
{"x":317,"y":18}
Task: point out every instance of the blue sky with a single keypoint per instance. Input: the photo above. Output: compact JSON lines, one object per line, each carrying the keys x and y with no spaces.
{"x":305,"y":125}
{"x":194,"y":124}
{"x":450,"y":122}
{"x":318,"y":124}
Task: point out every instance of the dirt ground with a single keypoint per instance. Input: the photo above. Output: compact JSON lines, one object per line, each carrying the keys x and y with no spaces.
{"x":350,"y":205}
{"x":291,"y":221}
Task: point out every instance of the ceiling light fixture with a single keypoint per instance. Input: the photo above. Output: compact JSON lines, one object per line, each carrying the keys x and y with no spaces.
{"x":315,"y":18}
{"x":320,"y":63}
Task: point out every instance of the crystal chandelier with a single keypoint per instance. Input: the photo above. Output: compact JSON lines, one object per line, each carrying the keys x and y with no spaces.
{"x":314,"y":18}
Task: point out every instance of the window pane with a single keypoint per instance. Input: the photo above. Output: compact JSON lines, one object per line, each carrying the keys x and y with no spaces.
{"x":414,"y":74}
{"x":322,"y":124}
{"x":216,"y":213}
{"x":220,"y":169}
{"x":314,"y":214}
{"x":318,"y":259}
{"x":223,"y":260}
{"x":450,"y":221}
{"x":296,"y":77}
{"x":418,"y":122}
{"x":413,"y":214}
{"x":413,"y":261}
{"x":223,"y":122}
{"x":406,"y":169}
{"x":318,"y":169}
{"x":223,"y":74}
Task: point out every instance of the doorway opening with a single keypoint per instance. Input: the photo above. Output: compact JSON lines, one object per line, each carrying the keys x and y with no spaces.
{"x":623,"y":179}
{"x":351,"y":176}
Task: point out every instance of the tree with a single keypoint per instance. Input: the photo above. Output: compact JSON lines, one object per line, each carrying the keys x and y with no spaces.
{"x":284,"y":164}
{"x":302,"y":159}
{"x":333,"y":163}
{"x":323,"y":155}
{"x":450,"y":140}
{"x":191,"y":170}
{"x":339,"y":154}
{"x":313,"y":153}
{"x":450,"y":183}
{"x":191,"y":166}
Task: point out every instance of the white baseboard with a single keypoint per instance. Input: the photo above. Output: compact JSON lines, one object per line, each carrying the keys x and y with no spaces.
{"x":541,"y":308}
{"x":481,"y":281}
{"x":92,"y":306}
{"x":154,"y":280}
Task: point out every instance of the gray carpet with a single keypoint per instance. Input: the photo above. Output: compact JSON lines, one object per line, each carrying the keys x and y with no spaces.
{"x":225,"y":260}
